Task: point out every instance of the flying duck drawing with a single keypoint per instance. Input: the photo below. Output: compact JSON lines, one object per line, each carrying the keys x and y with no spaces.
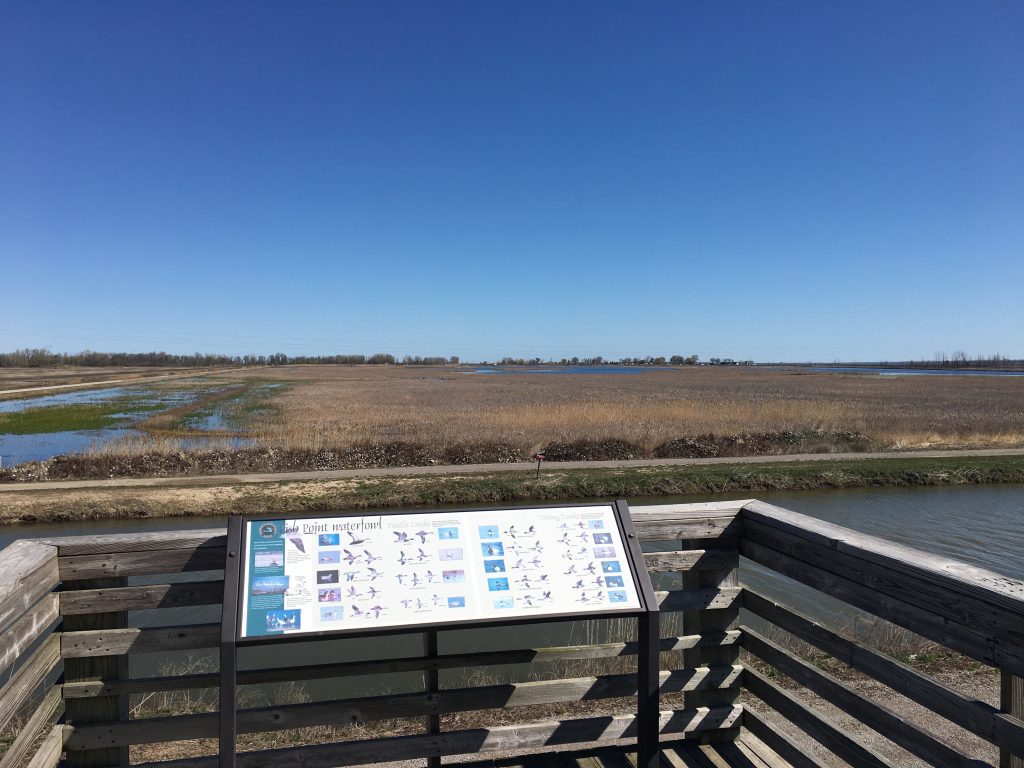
{"x":296,"y":538}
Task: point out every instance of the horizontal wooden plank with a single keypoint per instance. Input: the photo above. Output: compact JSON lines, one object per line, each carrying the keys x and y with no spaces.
{"x":40,"y":722}
{"x":114,"y":642}
{"x":911,"y":737}
{"x":365,"y":710}
{"x":28,"y":570}
{"x":217,"y":537}
{"x":936,"y":628}
{"x":820,"y":728}
{"x":693,"y":509}
{"x":656,"y":525}
{"x":952,"y":575}
{"x":41,"y":665}
{"x":480,"y":740}
{"x":136,"y":598}
{"x":20,"y":636}
{"x":536,"y":656}
{"x":698,"y":599}
{"x":962,"y":593}
{"x":106,"y":543}
{"x":777,"y":739}
{"x":105,"y":566}
{"x":983,"y":618}
{"x":691,"y":560}
{"x":975,"y":716}
{"x":50,"y":749}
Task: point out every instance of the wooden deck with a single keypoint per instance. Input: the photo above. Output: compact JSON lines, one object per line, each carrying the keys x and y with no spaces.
{"x":747,"y":751}
{"x":74,"y":610}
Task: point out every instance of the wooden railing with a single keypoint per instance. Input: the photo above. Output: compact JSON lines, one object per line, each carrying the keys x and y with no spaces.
{"x":975,"y":612}
{"x":69,"y":626}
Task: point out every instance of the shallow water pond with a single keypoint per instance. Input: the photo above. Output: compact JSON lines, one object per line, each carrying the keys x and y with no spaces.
{"x":92,"y":419}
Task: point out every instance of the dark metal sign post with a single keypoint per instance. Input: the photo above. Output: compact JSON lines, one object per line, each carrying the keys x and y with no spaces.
{"x":243,"y":588}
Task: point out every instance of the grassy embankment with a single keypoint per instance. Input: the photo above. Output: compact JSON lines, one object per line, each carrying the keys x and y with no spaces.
{"x":219,"y":498}
{"x":66,"y":418}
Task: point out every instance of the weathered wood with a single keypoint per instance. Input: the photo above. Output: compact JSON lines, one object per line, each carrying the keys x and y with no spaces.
{"x":719,"y":620}
{"x":105,"y":543}
{"x":813,"y":723}
{"x":155,"y":729}
{"x":945,"y":632}
{"x":698,"y":599}
{"x":692,"y":510}
{"x":105,"y":566}
{"x":386,"y":666}
{"x":929,"y":599}
{"x":28,"y":570}
{"x":136,"y":598}
{"x":591,"y":729}
{"x":98,"y":667}
{"x":975,"y":716}
{"x":654,"y":525}
{"x":37,"y":620}
{"x":1011,"y":702}
{"x":692,"y":560}
{"x":679,"y":757}
{"x":968,"y":595}
{"x":78,"y":644}
{"x":778,"y":740}
{"x":952,"y":575}
{"x":115,"y":642}
{"x":50,"y":749}
{"x":897,"y":729}
{"x":46,"y":713}
{"x":746,"y":751}
{"x":41,"y":665}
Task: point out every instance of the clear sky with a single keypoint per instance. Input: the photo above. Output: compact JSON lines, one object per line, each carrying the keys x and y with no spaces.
{"x":773,"y":181}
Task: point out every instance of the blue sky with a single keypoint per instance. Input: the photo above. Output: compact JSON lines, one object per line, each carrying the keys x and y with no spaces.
{"x":774,"y":181}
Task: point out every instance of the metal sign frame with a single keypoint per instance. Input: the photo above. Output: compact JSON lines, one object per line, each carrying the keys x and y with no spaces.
{"x":648,"y":633}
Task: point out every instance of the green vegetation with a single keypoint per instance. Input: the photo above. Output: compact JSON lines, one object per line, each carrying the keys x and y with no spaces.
{"x":237,"y":407}
{"x":211,"y":498}
{"x":556,"y":485}
{"x":64,"y":418}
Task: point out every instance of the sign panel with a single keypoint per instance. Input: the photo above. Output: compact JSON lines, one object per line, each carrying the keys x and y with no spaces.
{"x":358,"y":573}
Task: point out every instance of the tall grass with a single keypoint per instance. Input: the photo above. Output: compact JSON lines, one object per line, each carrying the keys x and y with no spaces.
{"x":332,"y":409}
{"x":328,"y":407}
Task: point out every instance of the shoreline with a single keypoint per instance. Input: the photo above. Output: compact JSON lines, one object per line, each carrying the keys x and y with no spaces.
{"x":216,"y":496}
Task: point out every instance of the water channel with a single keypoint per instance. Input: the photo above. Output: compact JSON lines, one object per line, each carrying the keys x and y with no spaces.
{"x":981,"y":525}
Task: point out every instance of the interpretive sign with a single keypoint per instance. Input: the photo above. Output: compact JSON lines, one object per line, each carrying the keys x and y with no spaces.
{"x":368,"y":572}
{"x":300,"y":579}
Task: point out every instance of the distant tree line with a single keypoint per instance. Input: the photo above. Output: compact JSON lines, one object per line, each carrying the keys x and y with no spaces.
{"x":44,"y":358}
{"x":598,"y":360}
{"x":958,"y":359}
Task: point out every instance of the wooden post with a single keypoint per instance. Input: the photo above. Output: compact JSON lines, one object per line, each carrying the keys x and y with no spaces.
{"x":77,"y":670}
{"x":710,"y":622}
{"x":433,"y":721}
{"x":1011,"y":701}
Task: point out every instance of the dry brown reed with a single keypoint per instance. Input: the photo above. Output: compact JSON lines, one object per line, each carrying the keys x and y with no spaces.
{"x":327,"y":407}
